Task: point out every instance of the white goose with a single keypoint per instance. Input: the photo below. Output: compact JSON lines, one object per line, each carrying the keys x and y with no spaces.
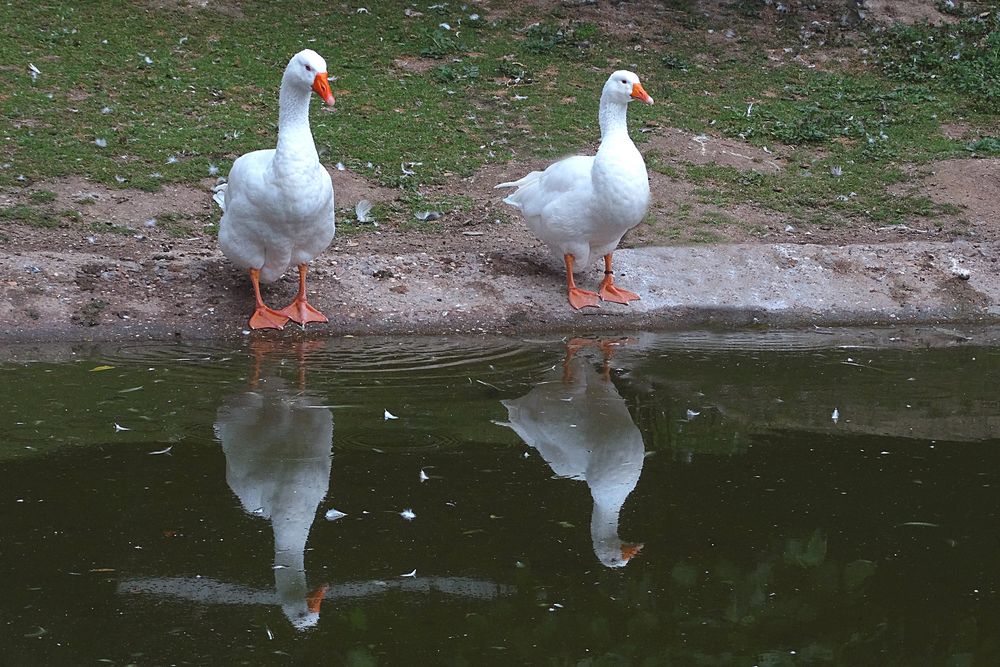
{"x":278,"y":203}
{"x":582,"y":206}
{"x":583,"y":429}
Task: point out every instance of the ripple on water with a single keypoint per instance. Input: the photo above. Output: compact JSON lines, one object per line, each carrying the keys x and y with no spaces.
{"x":348,"y":355}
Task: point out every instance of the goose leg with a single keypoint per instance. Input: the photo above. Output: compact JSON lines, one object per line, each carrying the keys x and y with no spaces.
{"x":608,"y":291}
{"x":315,"y":599}
{"x":299,"y":310}
{"x":572,"y":347}
{"x":264,"y":317}
{"x":578,"y":298}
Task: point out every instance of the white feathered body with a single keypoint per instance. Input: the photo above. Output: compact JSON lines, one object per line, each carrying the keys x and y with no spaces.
{"x":583,"y":205}
{"x":278,"y":203}
{"x":278,"y":212}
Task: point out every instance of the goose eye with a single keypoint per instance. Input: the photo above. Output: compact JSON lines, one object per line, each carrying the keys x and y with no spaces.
{"x":624,"y":81}
{"x":308,"y":68}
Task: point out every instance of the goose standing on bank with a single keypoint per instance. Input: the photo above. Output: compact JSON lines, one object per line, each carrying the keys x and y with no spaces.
{"x":278,"y":203}
{"x":582,"y":206}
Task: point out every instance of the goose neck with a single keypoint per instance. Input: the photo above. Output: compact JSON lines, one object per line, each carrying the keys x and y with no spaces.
{"x":294,"y":133}
{"x":604,"y":521}
{"x":612,"y":118}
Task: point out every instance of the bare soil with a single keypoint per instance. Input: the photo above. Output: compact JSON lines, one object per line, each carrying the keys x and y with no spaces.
{"x":130,"y":263}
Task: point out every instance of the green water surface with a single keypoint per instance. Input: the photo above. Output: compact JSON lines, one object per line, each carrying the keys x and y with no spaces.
{"x":645,"y":500}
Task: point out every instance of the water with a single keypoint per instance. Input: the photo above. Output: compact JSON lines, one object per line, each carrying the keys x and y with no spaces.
{"x":680,"y":499}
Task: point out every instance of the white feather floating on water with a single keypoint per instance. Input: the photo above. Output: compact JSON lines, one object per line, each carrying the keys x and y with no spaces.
{"x":412,"y":573}
{"x":423,"y":476}
{"x":408,"y":514}
{"x":388,"y":415}
{"x":333,"y":515}
{"x":119,"y":427}
{"x":835,"y":416}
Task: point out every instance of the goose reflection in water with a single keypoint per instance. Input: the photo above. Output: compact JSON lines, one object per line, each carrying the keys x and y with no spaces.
{"x":278,"y":444}
{"x":582,"y":428}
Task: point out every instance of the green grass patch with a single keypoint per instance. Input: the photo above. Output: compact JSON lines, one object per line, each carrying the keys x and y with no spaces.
{"x":814,"y":196}
{"x":176,"y":225}
{"x":714,"y":218}
{"x":704,"y":236}
{"x":963,"y":56}
{"x":42,"y":196}
{"x":111,"y":228}
{"x":138,"y":97}
{"x":985,"y":146}
{"x":29,"y":215}
{"x":163,"y":95}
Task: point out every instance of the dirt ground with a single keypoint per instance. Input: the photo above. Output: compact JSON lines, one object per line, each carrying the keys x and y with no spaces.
{"x":138,"y":265}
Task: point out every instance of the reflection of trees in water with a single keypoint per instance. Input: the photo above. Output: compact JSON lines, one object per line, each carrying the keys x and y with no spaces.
{"x":936,"y":394}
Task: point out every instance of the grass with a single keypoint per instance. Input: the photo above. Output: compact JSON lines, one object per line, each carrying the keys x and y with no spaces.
{"x":964,"y":57}
{"x":134,"y":95}
{"x":158,"y":95}
{"x":42,"y":196}
{"x":30,"y":216}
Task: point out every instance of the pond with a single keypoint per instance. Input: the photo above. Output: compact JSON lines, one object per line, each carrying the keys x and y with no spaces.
{"x":753,"y":499}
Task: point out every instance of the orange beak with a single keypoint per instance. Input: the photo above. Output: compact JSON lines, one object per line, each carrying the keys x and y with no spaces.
{"x":630,"y":551}
{"x":639,"y":93}
{"x":322,"y":87}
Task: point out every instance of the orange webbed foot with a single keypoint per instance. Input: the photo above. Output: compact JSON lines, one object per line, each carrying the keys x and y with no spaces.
{"x":267,"y":318}
{"x":300,"y":311}
{"x":581,"y":298}
{"x":609,"y":292}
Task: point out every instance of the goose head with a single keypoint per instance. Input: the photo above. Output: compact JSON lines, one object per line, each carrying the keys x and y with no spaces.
{"x":623,"y":87}
{"x":614,"y":553}
{"x":308,"y":70}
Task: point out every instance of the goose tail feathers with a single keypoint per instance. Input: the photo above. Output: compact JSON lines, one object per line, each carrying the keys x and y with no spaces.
{"x":515,"y":198}
{"x":219,"y":195}
{"x":521,"y":182}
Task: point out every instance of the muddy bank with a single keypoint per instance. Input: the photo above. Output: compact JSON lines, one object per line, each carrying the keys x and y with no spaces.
{"x":93,"y":296}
